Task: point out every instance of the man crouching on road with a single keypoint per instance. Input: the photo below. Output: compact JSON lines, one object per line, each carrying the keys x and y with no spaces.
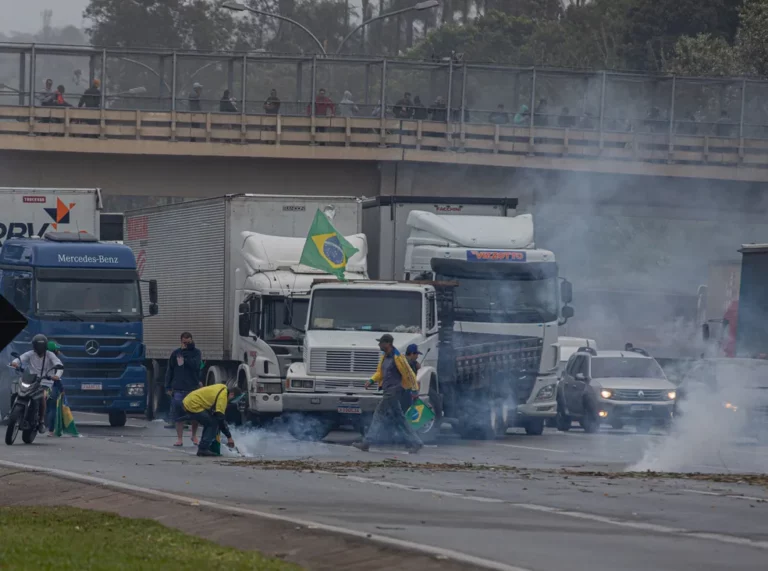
{"x":394,"y":375}
{"x":207,"y":406}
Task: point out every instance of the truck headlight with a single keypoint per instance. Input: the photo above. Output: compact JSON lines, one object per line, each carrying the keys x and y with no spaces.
{"x":606,"y":394}
{"x":730,"y":406}
{"x":270,"y":388}
{"x":672,"y":395}
{"x":135,"y":389}
{"x":546,"y":393}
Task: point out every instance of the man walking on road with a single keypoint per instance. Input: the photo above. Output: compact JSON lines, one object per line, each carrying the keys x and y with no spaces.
{"x":207,"y":406}
{"x":181,"y":378}
{"x":394,"y":375}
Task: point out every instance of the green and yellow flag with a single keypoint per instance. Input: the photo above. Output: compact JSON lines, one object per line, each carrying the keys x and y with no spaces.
{"x":326,"y":249}
{"x":65,"y":422}
{"x":419,"y":414}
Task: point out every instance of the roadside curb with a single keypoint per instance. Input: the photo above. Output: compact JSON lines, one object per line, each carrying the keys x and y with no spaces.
{"x":317,"y":546}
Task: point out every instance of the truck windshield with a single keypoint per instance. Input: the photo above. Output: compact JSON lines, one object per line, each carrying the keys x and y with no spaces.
{"x":366,"y":310}
{"x":502,"y":292}
{"x":275,"y":317}
{"x":87,"y":297}
{"x":632,"y":367}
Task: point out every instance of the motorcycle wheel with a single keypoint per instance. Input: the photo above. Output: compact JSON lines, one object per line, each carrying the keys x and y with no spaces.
{"x":12,"y":430}
{"x":28,"y":436}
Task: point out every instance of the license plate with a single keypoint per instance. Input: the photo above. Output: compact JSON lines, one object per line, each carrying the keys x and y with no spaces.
{"x":349,"y":409}
{"x":90,"y":387}
{"x":640,"y":408}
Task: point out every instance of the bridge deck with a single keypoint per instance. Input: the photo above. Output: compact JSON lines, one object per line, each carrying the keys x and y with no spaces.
{"x":239,"y":135}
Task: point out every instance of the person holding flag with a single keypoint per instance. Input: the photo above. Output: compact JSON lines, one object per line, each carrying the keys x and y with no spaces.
{"x":59,"y":419}
{"x":326,"y":249}
{"x":394,"y":376}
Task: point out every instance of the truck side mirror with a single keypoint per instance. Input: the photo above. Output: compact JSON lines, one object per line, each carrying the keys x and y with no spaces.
{"x":568,"y":312}
{"x":153,"y":309}
{"x":244,"y":320}
{"x":566,"y":292}
{"x":153,"y":291}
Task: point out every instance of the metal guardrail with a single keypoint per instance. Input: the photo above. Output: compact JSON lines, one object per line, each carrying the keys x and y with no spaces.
{"x":71,"y":129}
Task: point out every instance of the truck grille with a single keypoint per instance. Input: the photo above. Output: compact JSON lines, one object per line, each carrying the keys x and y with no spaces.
{"x":333,"y":386}
{"x":343,"y":362}
{"x":632,"y":394}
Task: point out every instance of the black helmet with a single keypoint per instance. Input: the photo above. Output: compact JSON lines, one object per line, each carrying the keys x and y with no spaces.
{"x":40,"y":344}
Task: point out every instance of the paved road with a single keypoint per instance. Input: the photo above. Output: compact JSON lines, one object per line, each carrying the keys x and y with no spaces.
{"x":534,"y":517}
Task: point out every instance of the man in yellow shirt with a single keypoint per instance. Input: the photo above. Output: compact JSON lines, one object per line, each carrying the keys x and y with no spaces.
{"x":208,"y":407}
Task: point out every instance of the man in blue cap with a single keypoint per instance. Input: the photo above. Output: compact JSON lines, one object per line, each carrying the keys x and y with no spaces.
{"x":412,"y":354}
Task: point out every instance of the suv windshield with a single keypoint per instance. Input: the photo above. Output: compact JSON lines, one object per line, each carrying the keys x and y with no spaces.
{"x":366,"y":310}
{"x":631,"y":367}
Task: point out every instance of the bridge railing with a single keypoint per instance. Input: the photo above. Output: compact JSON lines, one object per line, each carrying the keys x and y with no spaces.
{"x":415,"y":140}
{"x":450,"y":92}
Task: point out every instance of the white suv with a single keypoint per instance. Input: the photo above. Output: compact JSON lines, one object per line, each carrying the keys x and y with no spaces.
{"x":616,"y":388}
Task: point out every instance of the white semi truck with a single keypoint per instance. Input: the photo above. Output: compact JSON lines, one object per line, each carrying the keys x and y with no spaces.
{"x":226,"y":267}
{"x":483,"y":304}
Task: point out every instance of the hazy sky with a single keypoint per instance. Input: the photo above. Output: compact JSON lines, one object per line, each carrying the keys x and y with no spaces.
{"x":25,"y":16}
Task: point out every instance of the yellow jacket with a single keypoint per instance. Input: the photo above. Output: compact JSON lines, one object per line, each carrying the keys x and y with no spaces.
{"x":207,"y":398}
{"x":406,"y":373}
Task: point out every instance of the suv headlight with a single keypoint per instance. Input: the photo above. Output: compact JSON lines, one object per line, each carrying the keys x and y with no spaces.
{"x":671,"y":395}
{"x":546,"y":393}
{"x":135,"y":389}
{"x":606,"y":393}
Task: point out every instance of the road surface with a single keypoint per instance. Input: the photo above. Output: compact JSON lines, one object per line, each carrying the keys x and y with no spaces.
{"x":527,"y":509}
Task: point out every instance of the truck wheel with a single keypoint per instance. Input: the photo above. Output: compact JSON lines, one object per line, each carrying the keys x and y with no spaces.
{"x":215,"y":376}
{"x":117,"y":418}
{"x":155,"y":391}
{"x":589,"y":422}
{"x":308,"y":427}
{"x":487,"y":425}
{"x":534,"y":427}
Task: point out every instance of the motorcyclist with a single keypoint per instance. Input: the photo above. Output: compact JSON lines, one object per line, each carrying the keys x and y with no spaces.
{"x":40,"y":361}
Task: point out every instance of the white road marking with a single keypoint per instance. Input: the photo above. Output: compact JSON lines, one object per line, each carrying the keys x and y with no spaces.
{"x":644,"y":526}
{"x":532,"y":448}
{"x":732,"y":496}
{"x":383,"y":539}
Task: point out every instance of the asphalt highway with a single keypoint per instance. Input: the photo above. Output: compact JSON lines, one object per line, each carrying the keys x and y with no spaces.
{"x":561,"y":500}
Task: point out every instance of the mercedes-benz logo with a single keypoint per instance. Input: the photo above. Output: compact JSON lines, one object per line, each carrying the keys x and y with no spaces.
{"x":641,"y":394}
{"x":92,"y":347}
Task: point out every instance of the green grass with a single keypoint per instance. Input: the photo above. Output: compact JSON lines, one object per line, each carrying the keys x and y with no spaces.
{"x":68,"y":538}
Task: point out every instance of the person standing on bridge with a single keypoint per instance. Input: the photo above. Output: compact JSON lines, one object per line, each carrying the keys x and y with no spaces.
{"x":394,"y":376}
{"x":194,"y":104}
{"x":181,"y":378}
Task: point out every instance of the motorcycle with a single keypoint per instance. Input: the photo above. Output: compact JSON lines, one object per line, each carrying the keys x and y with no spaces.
{"x":26,"y":401}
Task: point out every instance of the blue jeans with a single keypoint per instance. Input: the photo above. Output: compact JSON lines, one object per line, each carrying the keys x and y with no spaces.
{"x":177,"y":406}
{"x":210,"y":427}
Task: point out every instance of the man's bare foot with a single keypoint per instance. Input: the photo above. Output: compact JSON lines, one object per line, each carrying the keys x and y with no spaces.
{"x":195,"y":441}
{"x":178,"y":443}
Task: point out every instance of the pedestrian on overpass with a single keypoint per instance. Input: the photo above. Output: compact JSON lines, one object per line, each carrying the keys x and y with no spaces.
{"x":208,"y":406}
{"x":394,"y":376}
{"x":181,"y":378}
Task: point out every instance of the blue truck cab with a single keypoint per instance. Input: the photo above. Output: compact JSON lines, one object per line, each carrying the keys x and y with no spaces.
{"x":84,"y":295}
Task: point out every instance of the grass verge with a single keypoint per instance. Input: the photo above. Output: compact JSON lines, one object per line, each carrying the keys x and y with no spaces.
{"x":72,"y":538}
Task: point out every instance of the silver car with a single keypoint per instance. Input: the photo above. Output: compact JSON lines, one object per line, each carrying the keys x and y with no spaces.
{"x":615,"y":388}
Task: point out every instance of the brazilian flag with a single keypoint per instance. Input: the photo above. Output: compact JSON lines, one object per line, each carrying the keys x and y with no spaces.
{"x":325,"y":249}
{"x":216,"y":444}
{"x":419,"y":414}
{"x":65,"y":422}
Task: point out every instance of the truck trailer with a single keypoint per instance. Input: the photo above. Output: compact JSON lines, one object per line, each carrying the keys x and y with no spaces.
{"x":226,"y":268}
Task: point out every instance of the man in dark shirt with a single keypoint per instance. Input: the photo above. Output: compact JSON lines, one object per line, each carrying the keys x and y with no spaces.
{"x":394,"y":375}
{"x":272,"y":104}
{"x":403,"y":109}
{"x":181,"y":378}
{"x":92,"y":96}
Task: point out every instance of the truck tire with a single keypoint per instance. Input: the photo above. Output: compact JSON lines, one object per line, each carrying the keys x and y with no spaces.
{"x":562,"y":420}
{"x":309,"y":427}
{"x":155,"y":391}
{"x":534,"y":427}
{"x":216,"y":375}
{"x":488,"y":425}
{"x":589,"y":422}
{"x":117,"y":418}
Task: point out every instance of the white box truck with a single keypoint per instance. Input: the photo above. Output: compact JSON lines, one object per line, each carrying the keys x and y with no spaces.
{"x":31,"y":212}
{"x":226,"y":268}
{"x":385,"y":223}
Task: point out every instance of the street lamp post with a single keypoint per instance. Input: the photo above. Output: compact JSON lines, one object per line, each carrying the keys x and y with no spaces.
{"x":239,"y":7}
{"x":425,"y":5}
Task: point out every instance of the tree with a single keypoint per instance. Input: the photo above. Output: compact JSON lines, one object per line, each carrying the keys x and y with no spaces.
{"x":704,"y":55}
{"x":752,"y":39}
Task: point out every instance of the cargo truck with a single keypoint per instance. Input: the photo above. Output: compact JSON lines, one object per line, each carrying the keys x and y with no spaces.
{"x":84,"y":295}
{"x":385,"y":223}
{"x":226,"y":267}
{"x":483,"y":305}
